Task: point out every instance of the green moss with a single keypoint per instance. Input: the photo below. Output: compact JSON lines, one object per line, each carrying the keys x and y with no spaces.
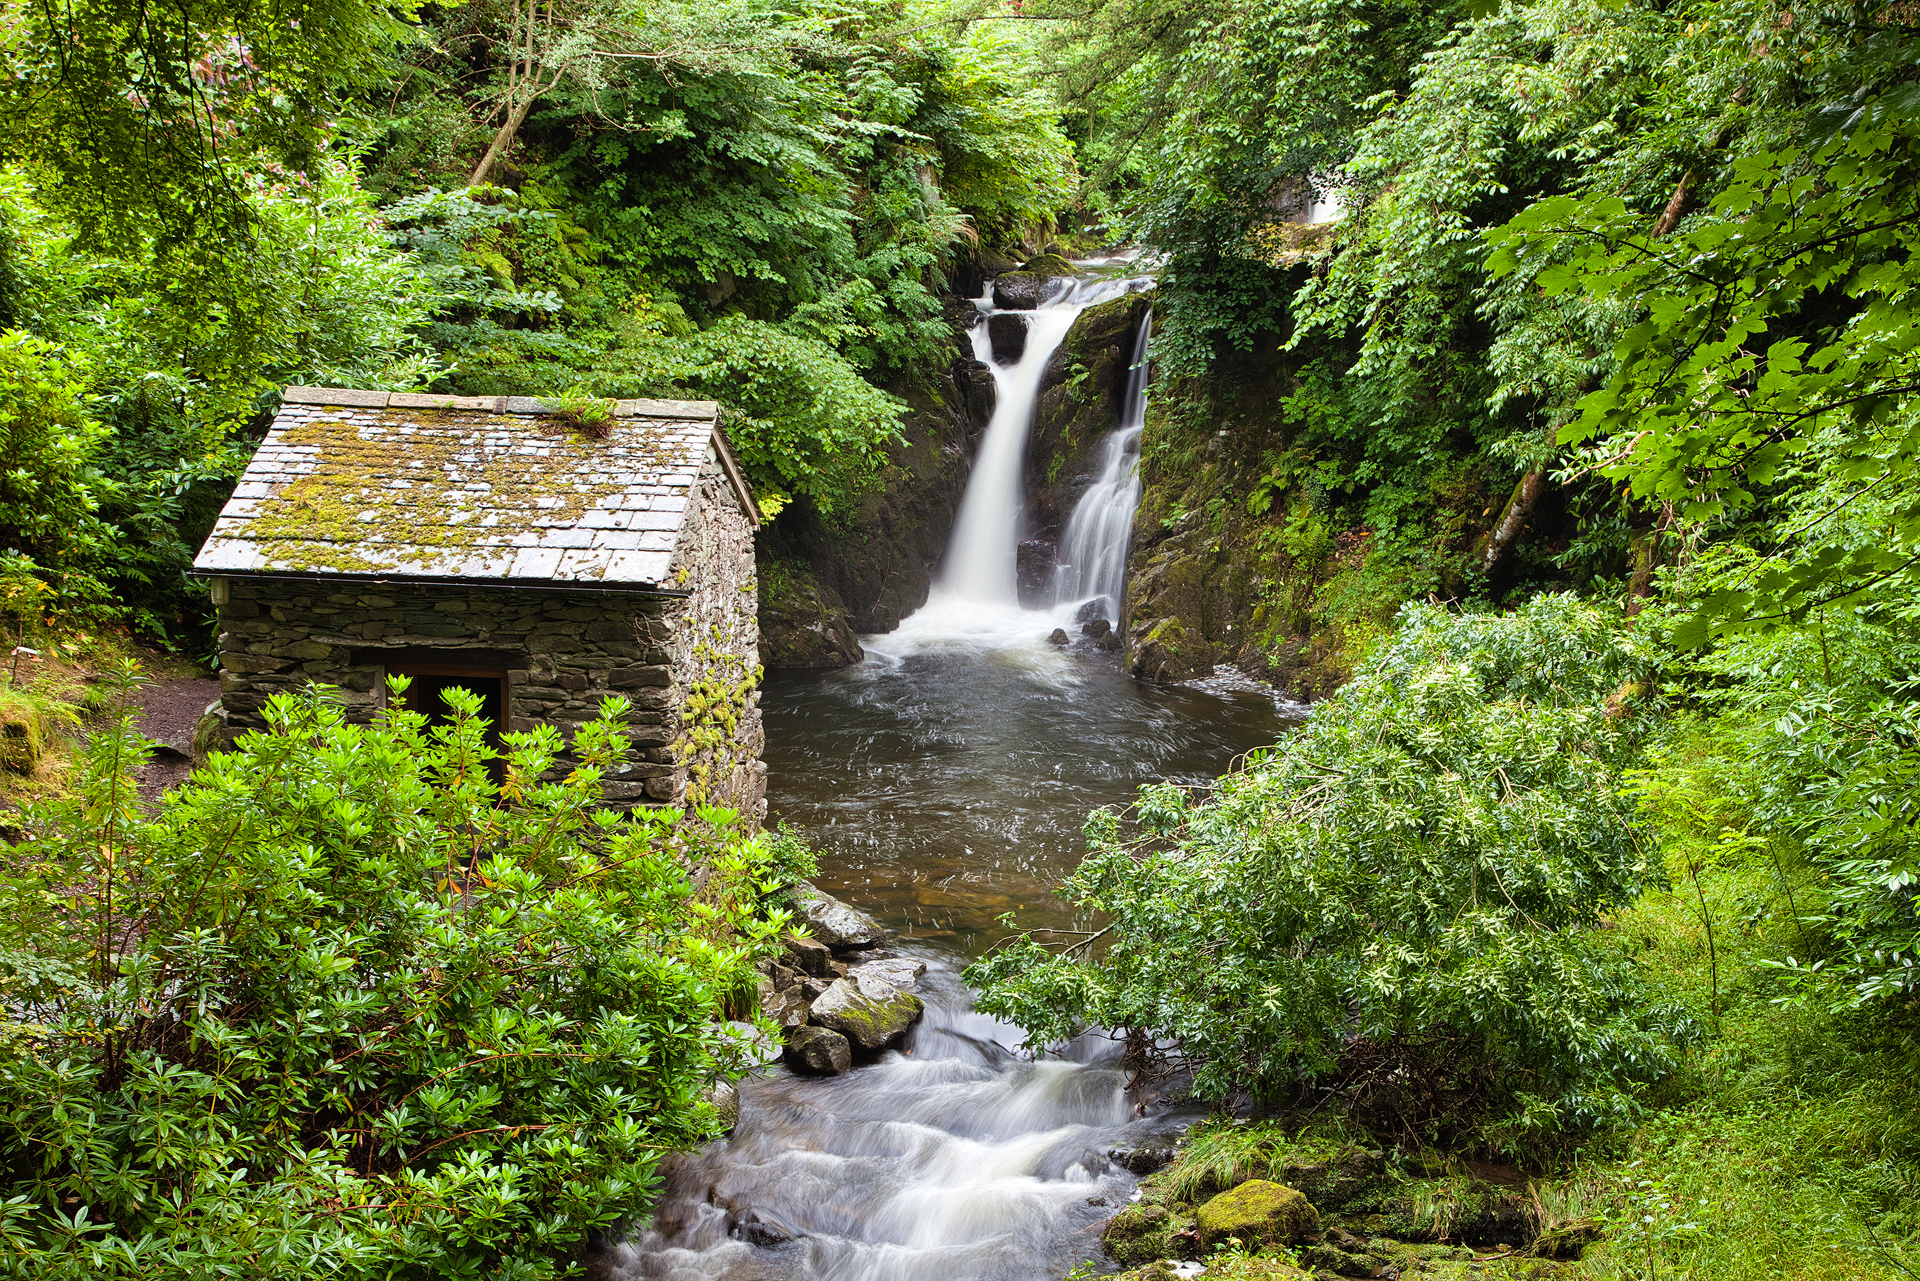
{"x":1139,"y":1234}
{"x":1257,"y":1213}
{"x":359,"y":509}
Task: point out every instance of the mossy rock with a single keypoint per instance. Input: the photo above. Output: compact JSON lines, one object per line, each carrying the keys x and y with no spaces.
{"x":1049,"y":266}
{"x":1258,"y":1213}
{"x":1139,"y":1234}
{"x":22,"y":743}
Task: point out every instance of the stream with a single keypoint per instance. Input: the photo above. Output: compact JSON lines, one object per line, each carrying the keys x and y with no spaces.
{"x":944,"y":782}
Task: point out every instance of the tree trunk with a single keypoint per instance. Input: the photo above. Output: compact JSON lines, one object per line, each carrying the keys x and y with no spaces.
{"x":1493,"y":548}
{"x":502,"y":140}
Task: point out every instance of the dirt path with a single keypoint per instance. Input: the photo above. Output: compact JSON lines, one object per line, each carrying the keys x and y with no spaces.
{"x":169,"y":711}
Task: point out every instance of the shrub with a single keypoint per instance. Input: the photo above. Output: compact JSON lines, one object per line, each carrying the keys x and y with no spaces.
{"x":346,"y":1006}
{"x":1399,"y":904}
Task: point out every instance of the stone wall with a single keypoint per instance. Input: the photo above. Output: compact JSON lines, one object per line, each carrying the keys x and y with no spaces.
{"x":690,"y":664}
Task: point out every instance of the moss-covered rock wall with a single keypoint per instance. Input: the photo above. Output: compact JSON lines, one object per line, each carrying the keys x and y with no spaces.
{"x":823,"y":580}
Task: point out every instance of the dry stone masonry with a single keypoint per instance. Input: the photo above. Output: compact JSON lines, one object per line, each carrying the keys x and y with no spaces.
{"x":491,"y":542}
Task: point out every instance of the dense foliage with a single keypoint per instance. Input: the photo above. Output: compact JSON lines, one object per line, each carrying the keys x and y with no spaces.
{"x":711,"y":199}
{"x":1400,"y":902}
{"x":346,"y":1006}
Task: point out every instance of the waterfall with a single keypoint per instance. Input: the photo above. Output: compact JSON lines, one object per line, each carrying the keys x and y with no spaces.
{"x":1093,"y":555}
{"x":980,"y":559}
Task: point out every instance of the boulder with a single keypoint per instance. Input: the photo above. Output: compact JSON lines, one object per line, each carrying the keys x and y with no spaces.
{"x":810,"y":956}
{"x":1090,"y":610}
{"x":1007,"y":337}
{"x":868,"y":1011}
{"x":901,"y":971}
{"x":818,"y":1051}
{"x":1353,"y":1174}
{"x":1049,"y":266}
{"x":1110,"y":643}
{"x":1142,"y":1161}
{"x":1258,"y":1213}
{"x":1018,"y":290}
{"x":1033,"y":571}
{"x":1058,"y":636}
{"x":833,"y":922}
{"x":1139,"y":1234}
{"x":1097,"y":628}
{"x":971,"y":270}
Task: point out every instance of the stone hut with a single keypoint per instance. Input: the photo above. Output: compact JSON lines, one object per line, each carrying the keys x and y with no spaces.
{"x":543,"y":558}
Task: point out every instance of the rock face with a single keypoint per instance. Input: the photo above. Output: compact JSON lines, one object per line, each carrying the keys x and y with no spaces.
{"x":818,"y":1051}
{"x":1034,"y":563}
{"x":1257,"y":1212}
{"x":804,"y":621}
{"x":1007,"y":337}
{"x":833,"y":922}
{"x":1080,"y":395}
{"x":868,"y":1011}
{"x":876,"y":557}
{"x":970,"y":272}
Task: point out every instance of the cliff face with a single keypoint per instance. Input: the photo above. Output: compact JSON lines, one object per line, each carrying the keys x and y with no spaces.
{"x":823,"y":581}
{"x":1080,"y":402}
{"x":1243,"y":554}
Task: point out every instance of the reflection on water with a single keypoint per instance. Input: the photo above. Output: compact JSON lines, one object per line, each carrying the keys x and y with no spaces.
{"x":945,"y":780}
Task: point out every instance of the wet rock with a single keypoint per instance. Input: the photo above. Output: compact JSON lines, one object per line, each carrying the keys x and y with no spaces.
{"x":901,"y":971}
{"x":757,"y":1231}
{"x":817,"y":988}
{"x":971,"y":270}
{"x":803,"y":623}
{"x":833,"y":922}
{"x":781,"y":976}
{"x":1142,"y":1161}
{"x":1110,"y":643}
{"x":1097,"y":628}
{"x":1139,"y":1234}
{"x":1090,"y":610}
{"x":1018,"y":290}
{"x":1058,"y":636}
{"x":1050,"y":266}
{"x":868,"y":1011}
{"x":818,"y":1051}
{"x":1081,"y":395}
{"x":975,"y":379}
{"x":784,"y":1007}
{"x":1033,"y":570}
{"x":1007,"y":337}
{"x":1259,"y":1213}
{"x":810,"y":956}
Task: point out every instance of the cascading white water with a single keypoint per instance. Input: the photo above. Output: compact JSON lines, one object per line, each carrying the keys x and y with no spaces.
{"x":952,"y":1160}
{"x":1093,"y":555}
{"x":980,"y":560}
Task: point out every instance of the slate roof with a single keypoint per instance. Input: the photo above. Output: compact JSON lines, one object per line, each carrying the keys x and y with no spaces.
{"x":449,"y":488}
